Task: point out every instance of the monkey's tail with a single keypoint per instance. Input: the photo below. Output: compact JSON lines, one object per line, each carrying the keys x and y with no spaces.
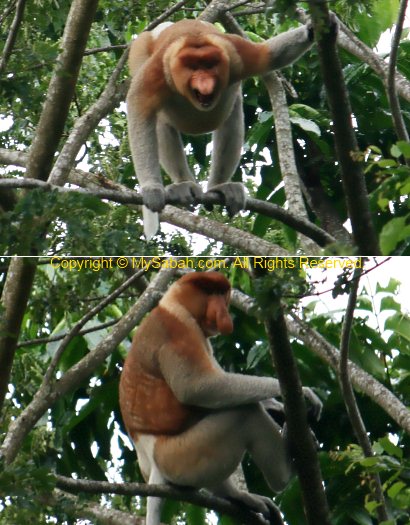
{"x":151,"y":222}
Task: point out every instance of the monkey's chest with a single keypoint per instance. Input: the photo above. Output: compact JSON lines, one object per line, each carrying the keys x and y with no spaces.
{"x":184,"y":117}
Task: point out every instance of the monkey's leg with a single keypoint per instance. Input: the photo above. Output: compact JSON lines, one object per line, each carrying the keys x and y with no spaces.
{"x":184,"y":189}
{"x":154,"y":505}
{"x":226,"y":153}
{"x":209,"y":452}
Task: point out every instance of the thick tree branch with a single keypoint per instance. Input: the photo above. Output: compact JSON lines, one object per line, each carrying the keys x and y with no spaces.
{"x":61,"y":89}
{"x":349,"y":397}
{"x":239,"y":239}
{"x":301,"y":440}
{"x":347,"y":149}
{"x":286,"y":152}
{"x":16,"y":292}
{"x":48,"y":133}
{"x":106,"y":189}
{"x":361,"y":380}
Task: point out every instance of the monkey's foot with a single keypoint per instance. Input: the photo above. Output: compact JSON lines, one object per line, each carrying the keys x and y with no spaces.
{"x":153,"y":196}
{"x":261,"y":505}
{"x":184,"y":193}
{"x":234,"y":196}
{"x":315,"y":408}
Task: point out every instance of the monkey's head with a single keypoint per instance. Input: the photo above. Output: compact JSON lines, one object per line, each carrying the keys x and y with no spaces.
{"x":206,"y":296}
{"x":200,"y":72}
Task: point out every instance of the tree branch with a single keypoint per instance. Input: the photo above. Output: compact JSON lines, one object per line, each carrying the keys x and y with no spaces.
{"x":361,"y":380}
{"x":301,"y":440}
{"x":242,"y":240}
{"x":11,"y":38}
{"x":349,"y":397}
{"x":59,"y":337}
{"x":164,"y":491}
{"x":106,"y":189}
{"x":61,"y":89}
{"x":78,"y":373}
{"x":347,"y":149}
{"x":397,"y":116}
{"x":16,"y":292}
{"x":286,"y":152}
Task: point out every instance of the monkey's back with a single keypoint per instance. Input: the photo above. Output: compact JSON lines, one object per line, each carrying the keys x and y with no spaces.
{"x":147,"y":403}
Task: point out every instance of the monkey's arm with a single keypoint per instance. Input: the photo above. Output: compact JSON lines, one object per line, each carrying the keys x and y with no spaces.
{"x":144,"y":148}
{"x":184,"y":189}
{"x":199,"y":381}
{"x":226,"y":153}
{"x":289,"y":46}
{"x":275,"y":53}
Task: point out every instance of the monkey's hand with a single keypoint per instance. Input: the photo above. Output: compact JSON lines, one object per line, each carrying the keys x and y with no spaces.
{"x":316,"y":405}
{"x":275,"y":409}
{"x":153,"y":196}
{"x":184,"y":193}
{"x":233,"y":194}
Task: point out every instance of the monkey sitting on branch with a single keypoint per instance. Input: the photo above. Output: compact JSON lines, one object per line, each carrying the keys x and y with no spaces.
{"x":190,"y":421}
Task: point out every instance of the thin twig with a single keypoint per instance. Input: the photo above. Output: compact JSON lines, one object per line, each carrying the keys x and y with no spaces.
{"x":59,"y":337}
{"x":397,"y":116}
{"x":89,"y":315}
{"x":11,"y":38}
{"x":349,"y":396}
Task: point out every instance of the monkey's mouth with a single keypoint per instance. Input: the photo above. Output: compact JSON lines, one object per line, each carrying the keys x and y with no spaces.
{"x":204,"y":100}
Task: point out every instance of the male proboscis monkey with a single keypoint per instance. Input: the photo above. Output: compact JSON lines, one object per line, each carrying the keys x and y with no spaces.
{"x":186,"y":78}
{"x":191,"y":422}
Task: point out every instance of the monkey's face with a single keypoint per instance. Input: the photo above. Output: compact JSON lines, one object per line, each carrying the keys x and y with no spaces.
{"x":200,"y":75}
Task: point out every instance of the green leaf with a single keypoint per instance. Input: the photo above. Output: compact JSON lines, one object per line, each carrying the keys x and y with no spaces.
{"x":395,"y":489}
{"x":390,"y":448}
{"x":393,"y":233}
{"x":403,"y":147}
{"x":307,"y":125}
{"x":389,"y":303}
{"x":399,"y":323}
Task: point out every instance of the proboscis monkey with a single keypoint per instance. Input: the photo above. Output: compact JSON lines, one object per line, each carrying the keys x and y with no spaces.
{"x":186,"y":78}
{"x":191,"y":422}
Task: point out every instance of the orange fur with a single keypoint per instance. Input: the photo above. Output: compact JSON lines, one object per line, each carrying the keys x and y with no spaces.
{"x":147,"y":402}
